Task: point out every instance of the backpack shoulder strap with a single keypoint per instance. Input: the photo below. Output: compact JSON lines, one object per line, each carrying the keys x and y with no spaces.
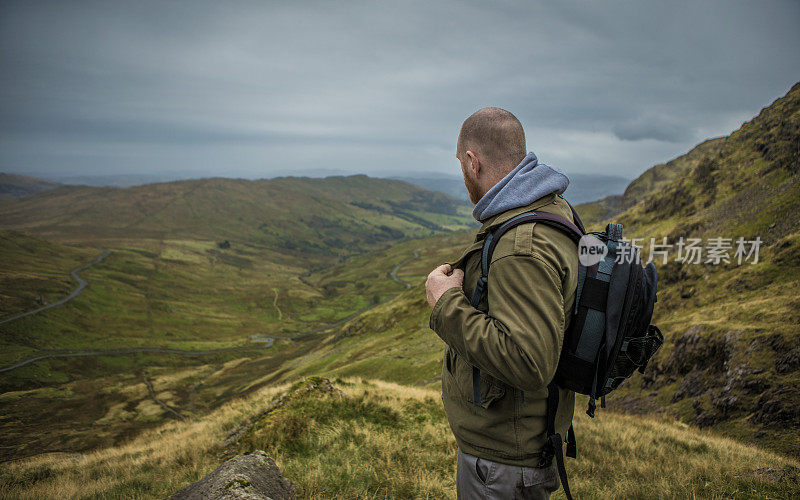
{"x":554,"y":447}
{"x":489,"y":243}
{"x":575,"y":217}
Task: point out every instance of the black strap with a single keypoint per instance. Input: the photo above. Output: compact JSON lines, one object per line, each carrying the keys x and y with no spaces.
{"x":572,"y":445}
{"x":476,"y":386}
{"x":480,"y":288}
{"x":594,"y":294}
{"x":552,"y":408}
{"x":555,"y":443}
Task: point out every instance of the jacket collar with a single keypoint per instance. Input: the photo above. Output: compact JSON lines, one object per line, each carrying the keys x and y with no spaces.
{"x":508,"y":214}
{"x":498,"y":219}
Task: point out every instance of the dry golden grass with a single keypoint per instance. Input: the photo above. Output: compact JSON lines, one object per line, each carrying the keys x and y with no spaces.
{"x":375,"y":439}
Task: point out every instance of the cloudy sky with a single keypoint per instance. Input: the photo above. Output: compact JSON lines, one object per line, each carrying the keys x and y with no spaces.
{"x":256,"y":89}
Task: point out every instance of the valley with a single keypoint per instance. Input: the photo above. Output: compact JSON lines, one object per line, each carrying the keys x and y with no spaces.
{"x":185,"y":322}
{"x":346,"y":395}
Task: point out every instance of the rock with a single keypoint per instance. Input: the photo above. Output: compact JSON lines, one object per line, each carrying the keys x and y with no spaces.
{"x":778,"y":406}
{"x":692,"y":385}
{"x":695,"y":351}
{"x":789,"y":362}
{"x":787,"y":474}
{"x":253,"y":476}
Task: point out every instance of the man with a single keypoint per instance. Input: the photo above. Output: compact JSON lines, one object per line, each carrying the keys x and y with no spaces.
{"x":514,"y":336}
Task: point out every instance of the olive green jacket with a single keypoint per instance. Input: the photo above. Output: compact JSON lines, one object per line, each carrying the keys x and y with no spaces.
{"x":514,"y":337}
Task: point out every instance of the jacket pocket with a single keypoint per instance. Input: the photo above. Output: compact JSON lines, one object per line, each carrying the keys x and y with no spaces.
{"x":492,"y":390}
{"x":448,"y":360}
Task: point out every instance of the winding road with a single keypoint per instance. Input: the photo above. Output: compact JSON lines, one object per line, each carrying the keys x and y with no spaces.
{"x":266,"y":341}
{"x":393,"y":274}
{"x":75,"y":293}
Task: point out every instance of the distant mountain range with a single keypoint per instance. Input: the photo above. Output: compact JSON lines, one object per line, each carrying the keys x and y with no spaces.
{"x":583,"y":188}
{"x":17,"y":186}
{"x":331,"y":216}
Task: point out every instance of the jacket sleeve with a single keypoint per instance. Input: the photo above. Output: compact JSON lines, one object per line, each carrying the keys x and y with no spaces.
{"x":519,"y":342}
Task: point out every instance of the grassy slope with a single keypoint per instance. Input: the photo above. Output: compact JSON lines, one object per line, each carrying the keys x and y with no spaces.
{"x":16,"y":186}
{"x":175,"y":295}
{"x":171,"y":295}
{"x":731,"y":359}
{"x":167,"y":283}
{"x":306,"y":218}
{"x":35,"y":272}
{"x":367,"y":438}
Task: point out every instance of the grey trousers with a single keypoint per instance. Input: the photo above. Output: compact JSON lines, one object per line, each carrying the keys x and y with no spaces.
{"x":480,"y":478}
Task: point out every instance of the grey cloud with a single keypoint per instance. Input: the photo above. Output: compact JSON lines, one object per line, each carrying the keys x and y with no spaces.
{"x":253,"y":88}
{"x":655,"y":128}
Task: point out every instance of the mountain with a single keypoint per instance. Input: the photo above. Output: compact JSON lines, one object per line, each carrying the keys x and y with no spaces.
{"x":719,"y":401}
{"x":731,"y":360}
{"x":582,"y":187}
{"x":17,"y":186}
{"x":320,"y":217}
{"x":228,"y":277}
{"x":452,"y":185}
{"x":119,"y":180}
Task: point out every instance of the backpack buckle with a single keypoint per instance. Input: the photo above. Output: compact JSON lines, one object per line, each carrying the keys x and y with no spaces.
{"x":614,"y":232}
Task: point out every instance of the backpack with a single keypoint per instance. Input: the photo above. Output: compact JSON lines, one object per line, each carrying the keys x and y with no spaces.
{"x":610,"y":335}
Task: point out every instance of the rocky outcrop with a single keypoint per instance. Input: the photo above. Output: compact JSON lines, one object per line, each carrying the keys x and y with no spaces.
{"x":253,"y":477}
{"x":694,"y":351}
{"x":778,"y":406}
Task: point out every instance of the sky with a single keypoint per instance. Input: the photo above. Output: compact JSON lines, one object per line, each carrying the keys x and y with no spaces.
{"x":258,"y":89}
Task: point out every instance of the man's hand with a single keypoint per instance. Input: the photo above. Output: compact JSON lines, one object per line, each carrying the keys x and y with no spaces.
{"x":440,"y":280}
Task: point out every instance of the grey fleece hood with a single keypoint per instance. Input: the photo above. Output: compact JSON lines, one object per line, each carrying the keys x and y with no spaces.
{"x":528,"y":182}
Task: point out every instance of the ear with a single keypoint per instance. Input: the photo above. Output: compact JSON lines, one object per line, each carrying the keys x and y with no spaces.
{"x":474,"y":163}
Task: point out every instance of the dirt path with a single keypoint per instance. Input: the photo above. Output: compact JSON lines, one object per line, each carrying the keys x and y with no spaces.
{"x":275,"y":304}
{"x":161,"y":403}
{"x":393,"y":274}
{"x":81,"y":285}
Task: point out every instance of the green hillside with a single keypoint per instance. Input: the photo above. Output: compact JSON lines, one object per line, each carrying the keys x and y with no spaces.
{"x":731,"y":360}
{"x":17,"y":186}
{"x":208,"y":285}
{"x":35,"y":272}
{"x":301,"y":217}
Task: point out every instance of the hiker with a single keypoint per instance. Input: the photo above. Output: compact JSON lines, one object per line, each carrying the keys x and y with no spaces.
{"x":502,"y":353}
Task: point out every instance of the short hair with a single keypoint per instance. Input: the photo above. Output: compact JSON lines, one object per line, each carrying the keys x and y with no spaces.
{"x":497,"y":134}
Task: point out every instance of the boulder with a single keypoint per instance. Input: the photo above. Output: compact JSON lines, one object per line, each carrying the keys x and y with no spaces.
{"x":253,"y":477}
